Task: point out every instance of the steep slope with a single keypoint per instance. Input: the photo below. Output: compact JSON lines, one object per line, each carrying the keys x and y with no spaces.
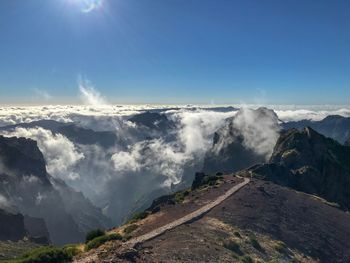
{"x":12,"y":226}
{"x":309,"y":162}
{"x":26,"y":185}
{"x":262,"y":222}
{"x":245,"y":140}
{"x":334,"y":126}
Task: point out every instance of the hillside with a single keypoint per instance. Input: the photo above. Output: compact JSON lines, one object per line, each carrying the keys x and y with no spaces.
{"x":261,"y":222}
{"x":308,"y":161}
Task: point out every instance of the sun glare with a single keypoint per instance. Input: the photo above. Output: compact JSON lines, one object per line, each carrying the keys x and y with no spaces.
{"x":87,"y":6}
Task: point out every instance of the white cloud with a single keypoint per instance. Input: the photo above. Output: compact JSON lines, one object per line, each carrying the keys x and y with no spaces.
{"x":60,"y":153}
{"x":42,"y":94}
{"x":259,"y":129}
{"x":4,"y":202}
{"x":89,"y":95}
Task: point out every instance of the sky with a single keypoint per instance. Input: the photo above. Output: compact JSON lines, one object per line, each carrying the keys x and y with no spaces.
{"x":175,"y":51}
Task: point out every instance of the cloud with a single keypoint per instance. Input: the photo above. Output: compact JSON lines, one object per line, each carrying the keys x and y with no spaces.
{"x":4,"y":202}
{"x":89,"y":95}
{"x":42,"y":94}
{"x":60,"y":153}
{"x":259,"y":128}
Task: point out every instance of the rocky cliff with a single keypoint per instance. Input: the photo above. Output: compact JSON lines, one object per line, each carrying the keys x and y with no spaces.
{"x":308,"y":161}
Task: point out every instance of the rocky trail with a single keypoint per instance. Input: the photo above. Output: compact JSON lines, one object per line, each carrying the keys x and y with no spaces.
{"x":132,"y":243}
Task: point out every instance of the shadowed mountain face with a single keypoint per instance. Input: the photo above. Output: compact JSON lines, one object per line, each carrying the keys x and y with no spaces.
{"x":12,"y":226}
{"x":347,"y":143}
{"x":72,"y":132}
{"x":153,"y":120}
{"x":245,"y":140}
{"x":27,"y":187}
{"x":334,"y":126}
{"x":309,"y":162}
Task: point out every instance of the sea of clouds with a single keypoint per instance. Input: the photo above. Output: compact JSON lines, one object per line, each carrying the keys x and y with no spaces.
{"x":143,"y":161}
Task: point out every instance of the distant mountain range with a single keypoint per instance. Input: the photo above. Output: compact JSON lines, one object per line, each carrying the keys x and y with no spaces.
{"x":72,"y":131}
{"x":333,"y":126}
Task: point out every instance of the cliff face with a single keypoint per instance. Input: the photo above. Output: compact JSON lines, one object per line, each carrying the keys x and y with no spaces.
{"x":310,"y":162}
{"x":12,"y":226}
{"x":27,"y":186}
{"x":245,"y":140}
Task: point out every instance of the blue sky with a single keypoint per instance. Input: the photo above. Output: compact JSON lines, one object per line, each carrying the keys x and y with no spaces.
{"x":176,"y":51}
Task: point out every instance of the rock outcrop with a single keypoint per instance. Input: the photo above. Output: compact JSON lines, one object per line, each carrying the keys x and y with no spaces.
{"x":309,"y":162}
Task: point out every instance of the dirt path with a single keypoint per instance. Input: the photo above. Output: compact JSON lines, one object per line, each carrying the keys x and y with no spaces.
{"x":190,"y":217}
{"x":185,"y":219}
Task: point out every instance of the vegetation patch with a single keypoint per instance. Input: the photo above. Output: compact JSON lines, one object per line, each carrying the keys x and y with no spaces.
{"x":93,"y":234}
{"x":246,"y":259}
{"x":202,"y":180}
{"x":237,"y":234}
{"x":281,"y":247}
{"x":233,"y":246}
{"x":255,"y":243}
{"x":47,"y":254}
{"x":139,"y":216}
{"x":130,"y":228}
{"x":180,"y":196}
{"x":98,"y":241}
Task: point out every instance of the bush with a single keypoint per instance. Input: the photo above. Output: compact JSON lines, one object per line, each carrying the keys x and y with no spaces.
{"x":98,"y":241}
{"x":255,"y":243}
{"x":281,"y":247}
{"x":180,"y":196}
{"x":237,"y":234}
{"x":130,"y":228}
{"x":233,"y":246}
{"x":44,"y":255}
{"x":246,"y":259}
{"x":71,"y":250}
{"x":139,"y":216}
{"x":93,"y":234}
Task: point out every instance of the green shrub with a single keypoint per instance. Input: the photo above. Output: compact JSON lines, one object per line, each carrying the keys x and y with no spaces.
{"x":180,"y":196}
{"x":281,"y":247}
{"x":98,"y":241}
{"x":130,"y":228}
{"x":71,"y":250}
{"x":237,"y":234}
{"x":47,"y":254}
{"x":255,"y":243}
{"x":246,"y":259}
{"x":93,"y":234}
{"x":233,"y":246}
{"x":139,"y":216}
